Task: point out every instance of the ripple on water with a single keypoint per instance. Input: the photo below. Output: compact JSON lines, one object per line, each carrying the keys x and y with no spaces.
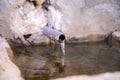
{"x":40,"y":62}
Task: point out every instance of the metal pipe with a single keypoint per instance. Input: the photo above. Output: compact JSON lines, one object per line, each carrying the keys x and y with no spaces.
{"x":53,"y":33}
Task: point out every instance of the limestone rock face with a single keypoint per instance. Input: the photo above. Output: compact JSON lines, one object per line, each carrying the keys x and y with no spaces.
{"x":82,"y":20}
{"x":27,"y":7}
{"x":28,"y":19}
{"x":16,"y":3}
{"x":6,"y":65}
{"x":89,"y":20}
{"x":5,"y":20}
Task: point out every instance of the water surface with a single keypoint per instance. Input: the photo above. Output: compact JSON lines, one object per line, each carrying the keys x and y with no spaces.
{"x":45,"y":62}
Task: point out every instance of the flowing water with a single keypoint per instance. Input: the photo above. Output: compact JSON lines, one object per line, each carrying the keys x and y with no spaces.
{"x":46,"y":62}
{"x":62,"y":45}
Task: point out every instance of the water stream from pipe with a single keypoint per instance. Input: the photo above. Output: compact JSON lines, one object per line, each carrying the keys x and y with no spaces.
{"x":62,"y":46}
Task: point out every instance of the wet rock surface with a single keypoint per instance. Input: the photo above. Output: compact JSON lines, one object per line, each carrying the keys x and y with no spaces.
{"x":113,"y":39}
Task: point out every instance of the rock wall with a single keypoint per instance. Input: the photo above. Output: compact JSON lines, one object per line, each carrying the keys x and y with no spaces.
{"x":8,"y":70}
{"x":102,"y":76}
{"x":5,"y":20}
{"x":82,"y":20}
{"x":89,"y":20}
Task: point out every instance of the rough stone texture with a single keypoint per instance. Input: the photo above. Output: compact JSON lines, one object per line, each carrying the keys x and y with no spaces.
{"x":27,"y":7}
{"x":103,"y":76}
{"x":28,"y":19}
{"x":39,"y":2}
{"x":5,"y":10}
{"x":8,"y":70}
{"x":54,"y":18}
{"x":89,"y":20}
{"x":114,"y":39}
{"x":15,"y":3}
{"x":83,"y":20}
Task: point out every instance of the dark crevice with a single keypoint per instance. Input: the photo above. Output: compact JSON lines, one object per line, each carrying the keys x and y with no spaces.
{"x":45,"y":4}
{"x":27,"y":36}
{"x":34,"y":3}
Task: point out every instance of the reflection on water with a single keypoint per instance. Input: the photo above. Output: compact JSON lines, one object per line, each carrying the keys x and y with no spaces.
{"x":44,"y":62}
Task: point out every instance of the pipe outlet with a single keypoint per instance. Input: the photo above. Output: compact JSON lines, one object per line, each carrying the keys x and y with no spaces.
{"x":53,"y":33}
